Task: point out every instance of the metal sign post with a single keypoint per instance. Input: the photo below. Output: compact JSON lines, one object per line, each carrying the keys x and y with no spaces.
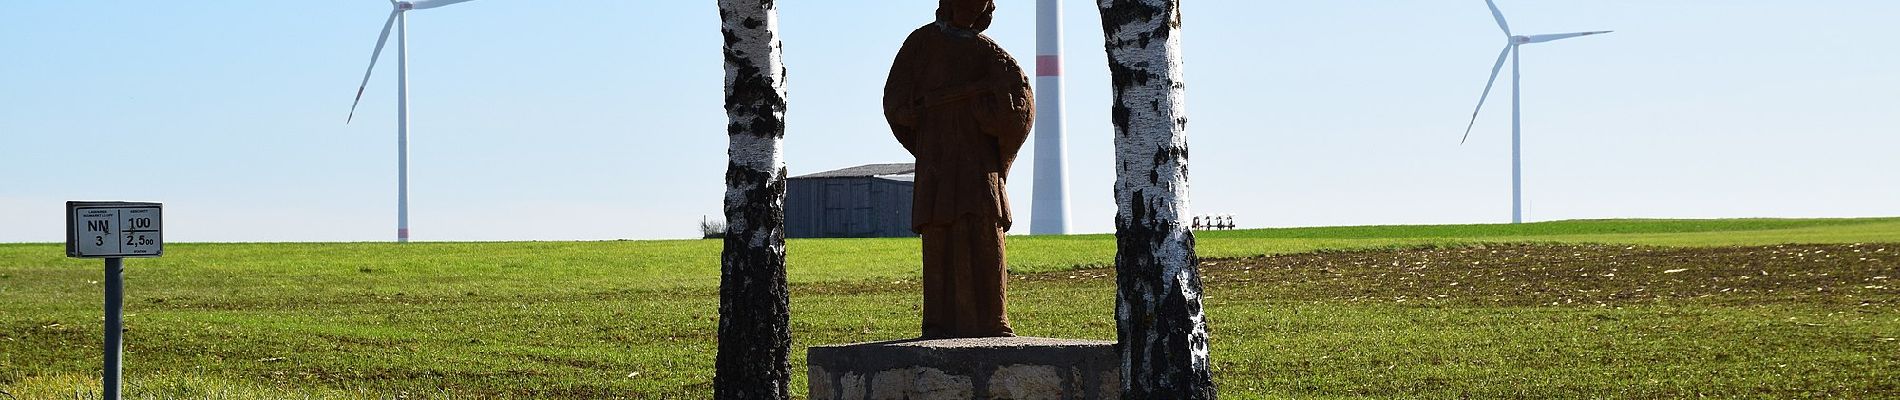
{"x":114,"y":230}
{"x":115,"y":327}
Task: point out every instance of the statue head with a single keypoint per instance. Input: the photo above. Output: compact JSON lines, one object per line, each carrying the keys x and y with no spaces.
{"x":974,"y":15}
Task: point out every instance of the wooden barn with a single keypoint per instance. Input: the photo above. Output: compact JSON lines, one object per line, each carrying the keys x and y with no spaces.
{"x":863,"y":201}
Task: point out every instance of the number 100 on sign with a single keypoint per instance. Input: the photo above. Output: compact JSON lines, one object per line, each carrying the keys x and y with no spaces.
{"x":114,"y":229}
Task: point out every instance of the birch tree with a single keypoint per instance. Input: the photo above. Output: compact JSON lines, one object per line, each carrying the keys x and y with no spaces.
{"x":754,"y":313}
{"x":1158,"y":318}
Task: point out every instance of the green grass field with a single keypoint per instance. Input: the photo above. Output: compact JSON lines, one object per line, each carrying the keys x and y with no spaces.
{"x":1486,"y":311}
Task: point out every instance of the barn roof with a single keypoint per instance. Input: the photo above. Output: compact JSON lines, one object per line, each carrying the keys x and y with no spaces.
{"x":867,"y":170}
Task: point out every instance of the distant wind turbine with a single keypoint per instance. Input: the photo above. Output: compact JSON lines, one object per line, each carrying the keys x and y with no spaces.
{"x":398,"y":19}
{"x":1510,"y":50}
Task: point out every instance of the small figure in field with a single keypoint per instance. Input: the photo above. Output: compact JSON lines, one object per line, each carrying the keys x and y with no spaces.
{"x":963,"y":107}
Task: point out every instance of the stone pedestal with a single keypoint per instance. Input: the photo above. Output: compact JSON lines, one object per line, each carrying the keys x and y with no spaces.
{"x":979,"y":368}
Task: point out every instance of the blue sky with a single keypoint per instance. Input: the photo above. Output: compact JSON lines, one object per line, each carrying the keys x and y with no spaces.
{"x":531,"y":119}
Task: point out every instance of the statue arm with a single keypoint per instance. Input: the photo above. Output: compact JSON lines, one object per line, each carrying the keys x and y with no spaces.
{"x":1007,"y":111}
{"x":900,"y":93}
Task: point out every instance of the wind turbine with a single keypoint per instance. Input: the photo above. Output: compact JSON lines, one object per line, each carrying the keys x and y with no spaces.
{"x":1049,"y":209}
{"x":398,"y":19}
{"x":1510,"y":50}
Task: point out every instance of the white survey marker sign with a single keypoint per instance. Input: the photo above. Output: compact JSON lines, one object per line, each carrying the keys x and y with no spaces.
{"x":113,"y":229}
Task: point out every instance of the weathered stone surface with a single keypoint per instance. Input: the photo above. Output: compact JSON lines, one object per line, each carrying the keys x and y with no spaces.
{"x":890,"y":384}
{"x":1026,"y":382}
{"x":976,"y":368}
{"x":934,"y":384}
{"x":852,"y":386}
{"x":820,"y":381}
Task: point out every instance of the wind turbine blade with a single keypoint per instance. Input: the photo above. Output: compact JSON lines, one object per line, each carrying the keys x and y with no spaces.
{"x":422,"y":4}
{"x":380,"y":39}
{"x":1495,"y":69}
{"x":1559,"y":36}
{"x":1499,"y":15}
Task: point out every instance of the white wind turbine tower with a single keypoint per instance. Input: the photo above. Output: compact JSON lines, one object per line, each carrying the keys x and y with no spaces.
{"x":1510,"y":50}
{"x":1049,"y":209}
{"x":398,"y":19}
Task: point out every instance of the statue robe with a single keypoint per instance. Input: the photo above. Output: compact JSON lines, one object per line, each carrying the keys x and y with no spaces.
{"x":963,"y":108}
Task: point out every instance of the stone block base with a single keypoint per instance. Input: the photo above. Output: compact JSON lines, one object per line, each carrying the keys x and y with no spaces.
{"x":978,"y":368}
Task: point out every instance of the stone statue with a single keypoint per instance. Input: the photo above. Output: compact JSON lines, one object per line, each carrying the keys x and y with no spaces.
{"x":963,"y":107}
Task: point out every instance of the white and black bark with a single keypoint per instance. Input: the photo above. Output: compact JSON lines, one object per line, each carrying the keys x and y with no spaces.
{"x":1158,"y":317}
{"x":754,"y":312}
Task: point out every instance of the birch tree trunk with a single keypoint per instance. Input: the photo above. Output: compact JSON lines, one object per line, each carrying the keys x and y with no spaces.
{"x":1158,"y":317}
{"x":754,"y":313}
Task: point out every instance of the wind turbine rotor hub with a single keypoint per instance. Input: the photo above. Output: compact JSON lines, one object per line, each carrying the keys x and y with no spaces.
{"x":405,"y":6}
{"x":1520,"y":39}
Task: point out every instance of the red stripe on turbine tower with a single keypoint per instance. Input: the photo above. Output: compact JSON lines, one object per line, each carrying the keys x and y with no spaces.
{"x":1049,"y":65}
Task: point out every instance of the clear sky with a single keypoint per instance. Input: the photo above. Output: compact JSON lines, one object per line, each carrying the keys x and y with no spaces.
{"x":545,"y":120}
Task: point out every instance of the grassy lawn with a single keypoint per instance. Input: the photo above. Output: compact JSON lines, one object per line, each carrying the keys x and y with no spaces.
{"x":1401,"y":311}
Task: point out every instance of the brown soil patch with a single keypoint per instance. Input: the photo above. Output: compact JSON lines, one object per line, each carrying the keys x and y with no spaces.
{"x":1856,"y":275}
